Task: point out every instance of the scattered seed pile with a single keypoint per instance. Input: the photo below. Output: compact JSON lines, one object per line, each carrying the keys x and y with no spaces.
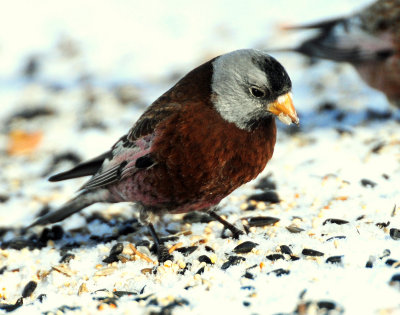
{"x":322,"y":221}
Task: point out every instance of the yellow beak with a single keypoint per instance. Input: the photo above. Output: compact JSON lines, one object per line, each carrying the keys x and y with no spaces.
{"x":283,"y":108}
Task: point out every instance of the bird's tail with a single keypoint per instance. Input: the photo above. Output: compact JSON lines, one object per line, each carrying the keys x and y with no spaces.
{"x":76,"y":204}
{"x":339,"y":40}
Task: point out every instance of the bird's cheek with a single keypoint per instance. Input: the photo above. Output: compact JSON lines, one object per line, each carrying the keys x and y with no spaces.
{"x":283,"y":108}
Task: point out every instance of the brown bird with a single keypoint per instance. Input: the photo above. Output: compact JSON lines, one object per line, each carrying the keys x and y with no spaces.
{"x":206,"y":136}
{"x":369,"y":40}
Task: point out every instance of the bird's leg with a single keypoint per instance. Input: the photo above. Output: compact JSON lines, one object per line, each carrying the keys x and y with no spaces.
{"x":162,"y":252}
{"x":235,"y":231}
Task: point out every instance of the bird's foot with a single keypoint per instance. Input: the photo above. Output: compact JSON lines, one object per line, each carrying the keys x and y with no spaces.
{"x":163,"y":254}
{"x":162,"y":251}
{"x":235,"y":231}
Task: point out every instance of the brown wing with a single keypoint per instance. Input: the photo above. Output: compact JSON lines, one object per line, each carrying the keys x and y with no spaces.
{"x":157,"y":112}
{"x":194,"y":87}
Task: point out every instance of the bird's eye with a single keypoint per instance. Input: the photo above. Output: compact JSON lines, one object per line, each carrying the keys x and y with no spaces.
{"x":256,"y":92}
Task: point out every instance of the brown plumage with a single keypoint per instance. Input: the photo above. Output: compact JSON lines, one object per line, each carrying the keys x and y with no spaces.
{"x":209,"y":134}
{"x":369,"y":40}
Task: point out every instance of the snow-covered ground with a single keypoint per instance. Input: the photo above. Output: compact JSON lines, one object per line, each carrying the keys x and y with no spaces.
{"x":75,"y":75}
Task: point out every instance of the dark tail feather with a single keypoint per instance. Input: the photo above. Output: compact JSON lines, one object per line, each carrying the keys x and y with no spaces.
{"x":327,"y":24}
{"x":348,"y":43}
{"x":76,"y":204}
{"x":84,"y":169}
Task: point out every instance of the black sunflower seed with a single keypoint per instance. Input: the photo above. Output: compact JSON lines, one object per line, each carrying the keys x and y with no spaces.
{"x":326,"y":106}
{"x":31,"y":113}
{"x":326,"y":305}
{"x":286,"y":250}
{"x":391,"y":262}
{"x":41,"y":297}
{"x":339,"y":237}
{"x":369,"y":264}
{"x":378,"y":147}
{"x":368,"y":183}
{"x":12,"y":307}
{"x":343,"y":131}
{"x":4,"y":198}
{"x":186,"y":251}
{"x":249,"y":275}
{"x":196,"y":217}
{"x":335,"y":221}
{"x":28,"y":289}
{"x":274,"y":257}
{"x":361,"y":217}
{"x":266,"y":183}
{"x":110,"y":259}
{"x":20,"y":243}
{"x":311,"y":252}
{"x":209,"y":249}
{"x":144,"y":243}
{"x":268,"y":197}
{"x":250,"y":208}
{"x":394,"y":234}
{"x":245,"y":247}
{"x":168,"y":309}
{"x":126,"y":229}
{"x":204,"y":258}
{"x":373,"y":114}
{"x":64,"y":249}
{"x":200,"y":271}
{"x":262,"y":221}
{"x":395,"y":279}
{"x":334,"y":259}
{"x":57,"y":232}
{"x":280,"y":272}
{"x":294,"y":229}
{"x":232,"y":260}
{"x":67,"y":258}
{"x":117,"y":249}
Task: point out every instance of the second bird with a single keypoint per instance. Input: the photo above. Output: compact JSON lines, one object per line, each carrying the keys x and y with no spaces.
{"x":369,"y":40}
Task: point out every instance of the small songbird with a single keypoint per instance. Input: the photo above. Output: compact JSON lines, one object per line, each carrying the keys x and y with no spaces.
{"x":206,"y":136}
{"x":369,"y":40}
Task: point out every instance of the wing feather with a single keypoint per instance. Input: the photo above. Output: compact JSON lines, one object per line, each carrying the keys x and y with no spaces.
{"x":89,"y":167}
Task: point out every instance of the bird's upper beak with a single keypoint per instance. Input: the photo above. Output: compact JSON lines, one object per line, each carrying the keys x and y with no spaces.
{"x":283,"y":108}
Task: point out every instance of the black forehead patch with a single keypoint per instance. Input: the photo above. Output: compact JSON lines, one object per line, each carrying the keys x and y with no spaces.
{"x":277,"y":76}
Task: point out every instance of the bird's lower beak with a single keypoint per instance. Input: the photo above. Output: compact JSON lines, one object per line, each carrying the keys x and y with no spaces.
{"x":283,"y":108}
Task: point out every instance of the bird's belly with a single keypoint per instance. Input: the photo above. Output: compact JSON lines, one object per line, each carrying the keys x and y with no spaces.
{"x":190,"y":185}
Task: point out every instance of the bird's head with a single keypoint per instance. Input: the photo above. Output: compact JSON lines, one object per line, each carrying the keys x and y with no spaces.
{"x":249,"y":86}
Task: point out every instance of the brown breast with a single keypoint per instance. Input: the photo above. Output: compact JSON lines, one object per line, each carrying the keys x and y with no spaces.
{"x":203,"y":157}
